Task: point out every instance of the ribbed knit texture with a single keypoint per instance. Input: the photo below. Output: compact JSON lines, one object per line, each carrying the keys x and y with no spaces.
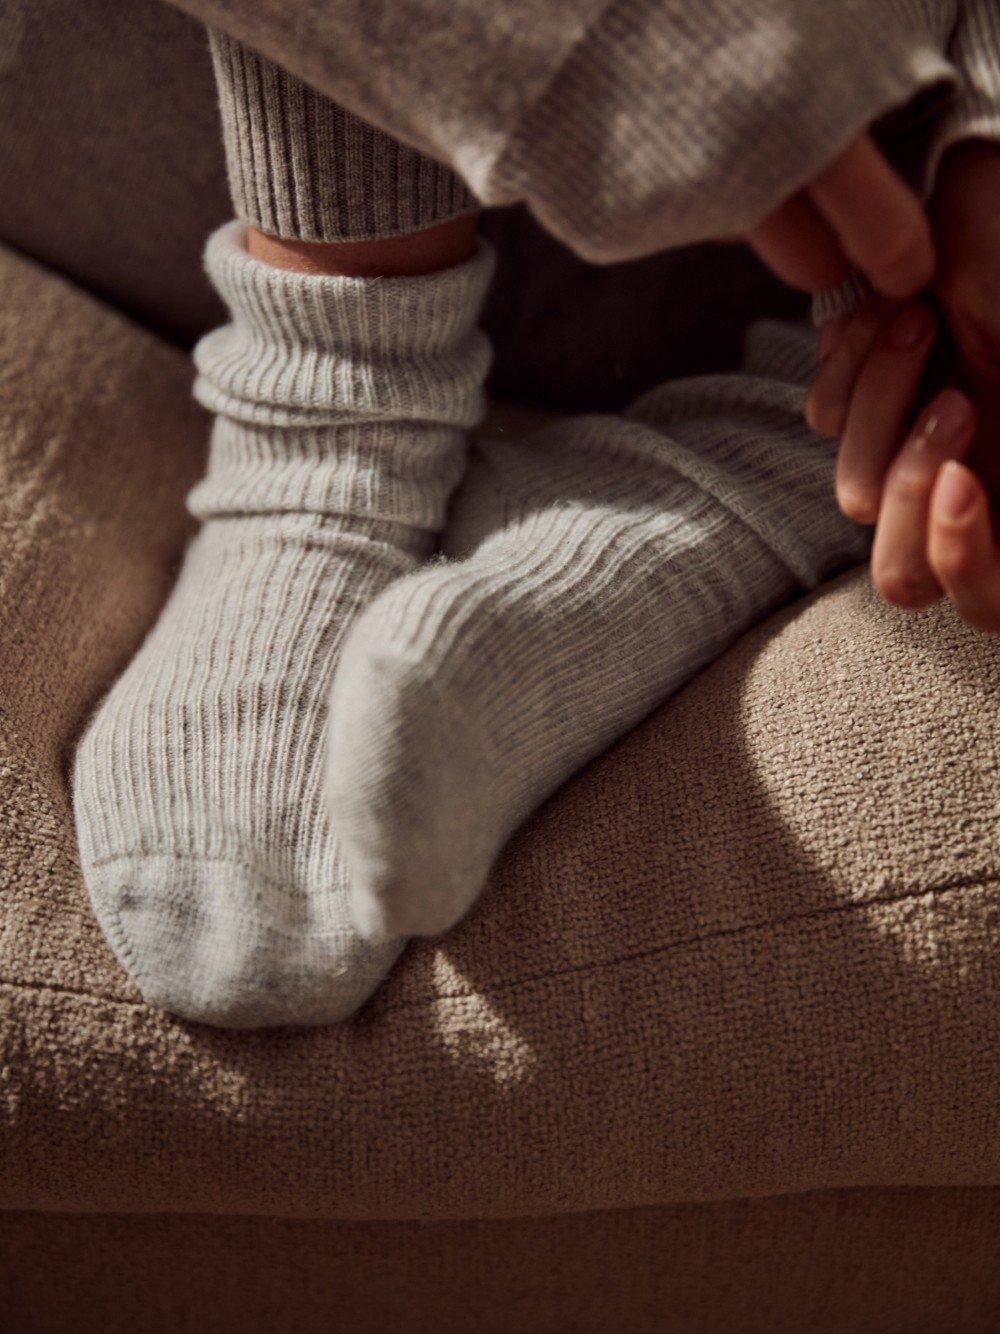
{"x":342,"y":405}
{"x":597,"y":564}
{"x":300,"y":166}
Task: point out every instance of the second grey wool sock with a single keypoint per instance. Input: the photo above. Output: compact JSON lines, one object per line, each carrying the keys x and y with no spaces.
{"x":597,"y":563}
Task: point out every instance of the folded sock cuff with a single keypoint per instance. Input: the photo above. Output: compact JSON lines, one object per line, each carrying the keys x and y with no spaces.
{"x":320,"y":349}
{"x":337,"y":395}
{"x":425,"y":313}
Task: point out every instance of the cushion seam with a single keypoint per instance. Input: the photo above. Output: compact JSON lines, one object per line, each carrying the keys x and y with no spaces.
{"x":727,"y":933}
{"x":910,"y":895}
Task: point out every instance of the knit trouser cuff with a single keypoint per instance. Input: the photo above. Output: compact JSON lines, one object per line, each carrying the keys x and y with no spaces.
{"x":302,"y":167}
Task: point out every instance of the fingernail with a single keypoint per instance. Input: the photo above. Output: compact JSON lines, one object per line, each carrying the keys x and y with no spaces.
{"x":857,"y":505}
{"x":910,"y":326}
{"x":955,"y":492}
{"x":949,"y":418}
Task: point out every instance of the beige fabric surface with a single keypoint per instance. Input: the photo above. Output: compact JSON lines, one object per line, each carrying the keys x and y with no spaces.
{"x":750,"y":951}
{"x":851,"y":1262}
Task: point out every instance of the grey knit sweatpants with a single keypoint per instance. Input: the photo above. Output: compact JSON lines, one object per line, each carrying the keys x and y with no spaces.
{"x":302,"y":167}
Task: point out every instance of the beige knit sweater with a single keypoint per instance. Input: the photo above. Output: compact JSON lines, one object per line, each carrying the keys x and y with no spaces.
{"x":634,"y":125}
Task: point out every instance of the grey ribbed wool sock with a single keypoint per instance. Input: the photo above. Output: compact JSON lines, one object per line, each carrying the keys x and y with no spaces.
{"x":597,"y":564}
{"x":342,"y":405}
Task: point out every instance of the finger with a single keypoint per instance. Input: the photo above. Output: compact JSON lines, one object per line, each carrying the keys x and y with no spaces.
{"x":829,"y":395}
{"x":977,"y":341}
{"x":877,"y":218}
{"x":880,"y":408}
{"x":796,"y":244}
{"x":830,"y":335}
{"x":900,"y":568}
{"x":961,"y":547}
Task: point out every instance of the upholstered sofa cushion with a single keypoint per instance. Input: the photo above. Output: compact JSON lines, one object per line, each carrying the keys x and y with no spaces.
{"x":846,"y":1262}
{"x":752,"y":950}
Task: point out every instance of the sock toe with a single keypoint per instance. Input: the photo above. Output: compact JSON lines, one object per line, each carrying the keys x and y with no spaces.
{"x":408,"y":792}
{"x":216,"y":944}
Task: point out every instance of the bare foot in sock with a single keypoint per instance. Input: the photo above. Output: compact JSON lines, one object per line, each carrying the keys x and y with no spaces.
{"x":206,"y":847}
{"x":599,"y":562}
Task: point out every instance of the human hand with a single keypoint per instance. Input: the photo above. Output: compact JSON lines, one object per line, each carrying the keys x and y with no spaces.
{"x":868,"y":356}
{"x":858,"y":214}
{"x":966,"y":218}
{"x":934,"y":533}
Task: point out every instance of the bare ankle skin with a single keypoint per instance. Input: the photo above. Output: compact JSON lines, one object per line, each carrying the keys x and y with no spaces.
{"x":428,"y":251}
